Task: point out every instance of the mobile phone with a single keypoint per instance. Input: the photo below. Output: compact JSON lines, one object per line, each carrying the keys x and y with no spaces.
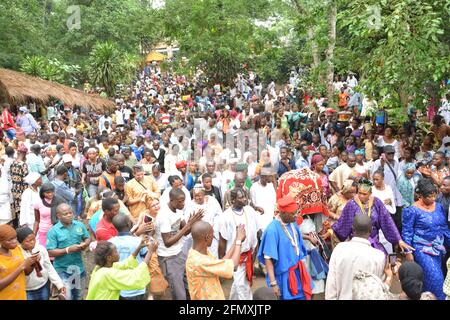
{"x":392,"y":259}
{"x":35,"y":251}
{"x":147,"y":219}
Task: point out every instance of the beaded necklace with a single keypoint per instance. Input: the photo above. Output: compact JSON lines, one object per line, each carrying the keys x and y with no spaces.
{"x":292,"y":240}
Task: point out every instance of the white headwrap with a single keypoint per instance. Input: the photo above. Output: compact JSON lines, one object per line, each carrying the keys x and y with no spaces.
{"x":32,"y":177}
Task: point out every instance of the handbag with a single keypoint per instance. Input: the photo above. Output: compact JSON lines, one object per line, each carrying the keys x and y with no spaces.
{"x":324,"y":250}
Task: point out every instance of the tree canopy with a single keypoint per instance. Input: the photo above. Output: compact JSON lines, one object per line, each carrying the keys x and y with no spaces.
{"x":399,"y":49}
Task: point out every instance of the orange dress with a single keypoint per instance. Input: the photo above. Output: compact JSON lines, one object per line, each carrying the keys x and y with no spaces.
{"x":17,"y":289}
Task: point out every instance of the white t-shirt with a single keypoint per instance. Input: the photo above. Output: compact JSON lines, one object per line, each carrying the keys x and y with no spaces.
{"x":264,"y":197}
{"x":119,"y":117}
{"x":168,"y":221}
{"x":126,"y":114}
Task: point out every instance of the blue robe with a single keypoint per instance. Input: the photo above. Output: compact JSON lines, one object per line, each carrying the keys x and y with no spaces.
{"x":275,"y":244}
{"x":427,"y":232}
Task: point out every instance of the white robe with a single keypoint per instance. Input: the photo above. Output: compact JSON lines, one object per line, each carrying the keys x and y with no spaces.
{"x":5,"y":198}
{"x":29,"y":199}
{"x":240,"y":289}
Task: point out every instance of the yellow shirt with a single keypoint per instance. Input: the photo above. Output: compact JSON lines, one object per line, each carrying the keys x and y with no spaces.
{"x":203,"y":272}
{"x":135,"y":190}
{"x":16,"y":290}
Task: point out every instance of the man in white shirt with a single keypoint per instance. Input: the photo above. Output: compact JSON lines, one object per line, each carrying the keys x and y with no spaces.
{"x":101,"y":122}
{"x":239,"y":214}
{"x":126,"y":114}
{"x":350,"y":257}
{"x":119,"y":116}
{"x":352,"y":82}
{"x":212,"y":210}
{"x":170,"y":230}
{"x":263,"y":197}
{"x":175,"y":182}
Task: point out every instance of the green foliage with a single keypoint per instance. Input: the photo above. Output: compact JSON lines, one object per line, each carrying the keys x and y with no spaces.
{"x":105,"y":66}
{"x":219,"y":36}
{"x":403,"y":59}
{"x":50,"y":69}
{"x":407,"y":50}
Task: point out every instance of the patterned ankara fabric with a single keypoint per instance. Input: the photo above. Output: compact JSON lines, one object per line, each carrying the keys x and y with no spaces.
{"x":427,"y":232}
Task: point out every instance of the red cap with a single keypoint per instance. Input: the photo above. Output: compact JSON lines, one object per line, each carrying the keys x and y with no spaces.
{"x":287,"y":204}
{"x":181,"y":164}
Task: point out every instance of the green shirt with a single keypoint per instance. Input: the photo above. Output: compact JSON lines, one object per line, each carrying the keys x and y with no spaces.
{"x":61,"y":237}
{"x":106,"y":283}
{"x":247,"y":184}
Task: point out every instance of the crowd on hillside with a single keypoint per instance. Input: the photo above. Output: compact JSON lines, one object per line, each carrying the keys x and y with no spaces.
{"x":185,"y":183}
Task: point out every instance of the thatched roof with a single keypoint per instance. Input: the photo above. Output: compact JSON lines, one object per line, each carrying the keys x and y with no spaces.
{"x":18,"y":88}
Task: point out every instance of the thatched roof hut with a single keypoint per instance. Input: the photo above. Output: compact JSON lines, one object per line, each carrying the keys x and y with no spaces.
{"x":19,"y":88}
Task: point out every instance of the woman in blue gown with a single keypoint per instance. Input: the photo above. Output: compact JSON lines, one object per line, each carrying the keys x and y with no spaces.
{"x":425,"y":229}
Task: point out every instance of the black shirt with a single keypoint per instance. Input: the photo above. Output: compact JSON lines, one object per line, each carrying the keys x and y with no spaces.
{"x":214,"y":192}
{"x":127,"y":173}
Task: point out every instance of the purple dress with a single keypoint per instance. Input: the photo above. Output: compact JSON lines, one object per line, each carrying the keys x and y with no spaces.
{"x":381,"y":219}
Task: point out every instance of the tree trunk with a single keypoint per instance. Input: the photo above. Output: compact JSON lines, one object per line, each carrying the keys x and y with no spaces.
{"x":314,"y":47}
{"x":330,"y":51}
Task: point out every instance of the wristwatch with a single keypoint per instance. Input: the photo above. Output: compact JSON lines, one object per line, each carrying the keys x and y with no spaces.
{"x":273,"y":284}
{"x":238,"y":242}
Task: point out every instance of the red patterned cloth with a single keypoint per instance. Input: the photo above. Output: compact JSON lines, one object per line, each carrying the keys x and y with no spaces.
{"x":305,"y":186}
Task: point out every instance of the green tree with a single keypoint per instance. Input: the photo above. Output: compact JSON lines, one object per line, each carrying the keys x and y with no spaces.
{"x":217,"y":35}
{"x":105,"y":66}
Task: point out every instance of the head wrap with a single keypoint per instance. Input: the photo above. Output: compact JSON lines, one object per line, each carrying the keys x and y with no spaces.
{"x":181,"y":164}
{"x":411,"y":279}
{"x":22,"y":149}
{"x":22,"y":233}
{"x":409,"y":166}
{"x":287,"y":204}
{"x":347,"y":186}
{"x":359,"y":151}
{"x":316,"y":159}
{"x":23,"y":109}
{"x":32,"y":177}
{"x":7,"y":232}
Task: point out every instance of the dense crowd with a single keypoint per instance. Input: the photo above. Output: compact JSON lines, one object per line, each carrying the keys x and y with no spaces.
{"x":184,"y":183}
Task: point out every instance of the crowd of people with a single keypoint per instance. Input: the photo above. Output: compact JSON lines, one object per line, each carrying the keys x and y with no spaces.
{"x":180,"y":186}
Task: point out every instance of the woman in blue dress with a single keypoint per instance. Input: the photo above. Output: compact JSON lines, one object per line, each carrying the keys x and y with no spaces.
{"x":425,"y":229}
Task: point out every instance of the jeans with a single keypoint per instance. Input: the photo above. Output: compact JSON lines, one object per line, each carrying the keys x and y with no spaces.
{"x":42,"y":293}
{"x":11,"y":133}
{"x":74,"y":284}
{"x":92,"y":190}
